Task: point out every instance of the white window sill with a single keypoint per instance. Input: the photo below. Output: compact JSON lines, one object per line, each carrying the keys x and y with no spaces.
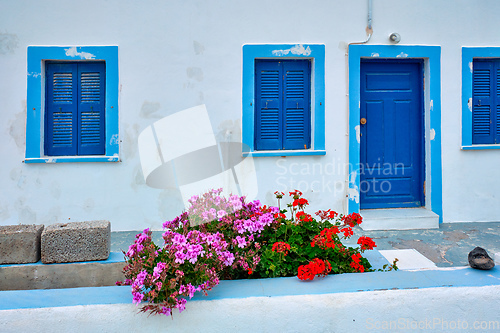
{"x":66,"y":159}
{"x":481,"y":147}
{"x":263,"y":153}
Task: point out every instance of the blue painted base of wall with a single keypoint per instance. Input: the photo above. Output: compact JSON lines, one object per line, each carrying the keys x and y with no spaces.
{"x":290,"y":286}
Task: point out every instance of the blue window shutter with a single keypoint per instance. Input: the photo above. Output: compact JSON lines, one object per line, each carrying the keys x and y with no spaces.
{"x":496,"y":110}
{"x":61,"y":110}
{"x":282,"y":104}
{"x":484,"y":106}
{"x":268,"y":105}
{"x":296,"y":97}
{"x":91,"y":106}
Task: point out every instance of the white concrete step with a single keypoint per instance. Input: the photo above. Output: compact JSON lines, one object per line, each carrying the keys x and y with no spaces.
{"x":408,"y":259}
{"x":399,"y":219}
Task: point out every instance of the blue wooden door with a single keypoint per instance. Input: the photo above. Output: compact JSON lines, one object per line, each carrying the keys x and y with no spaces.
{"x":391,"y":129}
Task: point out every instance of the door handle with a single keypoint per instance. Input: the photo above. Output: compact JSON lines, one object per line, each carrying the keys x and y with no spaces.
{"x":362,"y":121}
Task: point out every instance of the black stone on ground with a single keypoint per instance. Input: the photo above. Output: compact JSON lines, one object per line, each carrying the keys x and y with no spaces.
{"x":479,"y":259}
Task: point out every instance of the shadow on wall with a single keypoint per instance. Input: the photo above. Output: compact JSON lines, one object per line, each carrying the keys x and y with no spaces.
{"x":181,"y":151}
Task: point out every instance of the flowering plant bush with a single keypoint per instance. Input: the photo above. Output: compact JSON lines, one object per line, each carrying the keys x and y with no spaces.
{"x":229,"y":238}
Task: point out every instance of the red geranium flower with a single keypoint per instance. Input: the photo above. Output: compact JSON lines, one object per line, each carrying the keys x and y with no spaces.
{"x":301,"y":216}
{"x":327,"y":214}
{"x":279,"y":216}
{"x":347,"y":232}
{"x":279,"y":195}
{"x":301,"y":202}
{"x":281,"y":247}
{"x":352,"y":219}
{"x":315,"y":267}
{"x":305,"y":273}
{"x":366,"y":243}
{"x":296,"y":192}
{"x":356,"y":258}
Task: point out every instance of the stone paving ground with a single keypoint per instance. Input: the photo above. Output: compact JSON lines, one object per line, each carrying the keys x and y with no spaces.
{"x":447,"y":246}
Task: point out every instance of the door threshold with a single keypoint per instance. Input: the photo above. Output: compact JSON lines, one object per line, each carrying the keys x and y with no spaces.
{"x":399,"y":219}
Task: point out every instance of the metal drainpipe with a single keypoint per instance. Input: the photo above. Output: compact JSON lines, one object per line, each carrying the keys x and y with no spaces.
{"x":369,"y":32}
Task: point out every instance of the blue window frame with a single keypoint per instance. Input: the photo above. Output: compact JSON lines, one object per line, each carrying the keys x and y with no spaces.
{"x":479,"y":110}
{"x":282,"y":104}
{"x":74,"y":108}
{"x":37,"y":129}
{"x":486,"y":101}
{"x":314,"y":54}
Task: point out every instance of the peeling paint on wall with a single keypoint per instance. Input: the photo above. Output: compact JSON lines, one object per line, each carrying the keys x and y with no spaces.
{"x":195,"y":73}
{"x":137,"y":178}
{"x":25,"y":214}
{"x":33,"y":74}
{"x":358,"y":133}
{"x":114,"y":140}
{"x":469,"y":104}
{"x":375,"y":55}
{"x":353,"y":194}
{"x":129,"y":146}
{"x":16,"y":175}
{"x":198,"y":48}
{"x":431,"y":105}
{"x":470,"y":66}
{"x":352,"y":191}
{"x":8,"y":43}
{"x":72,"y":52}
{"x":149,"y":109}
{"x":298,"y":49}
{"x":352,"y":177}
{"x":432,"y":134}
{"x":402,"y":55}
{"x":17,"y":129}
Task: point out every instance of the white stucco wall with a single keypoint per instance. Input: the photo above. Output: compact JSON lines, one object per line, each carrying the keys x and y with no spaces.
{"x":175,"y":55}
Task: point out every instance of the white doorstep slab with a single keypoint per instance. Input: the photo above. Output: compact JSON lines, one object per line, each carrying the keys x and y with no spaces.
{"x":399,"y":219}
{"x":408,"y":259}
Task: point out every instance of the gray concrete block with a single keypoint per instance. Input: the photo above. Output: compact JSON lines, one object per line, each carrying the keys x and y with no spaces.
{"x":20,"y":244}
{"x":76,"y":241}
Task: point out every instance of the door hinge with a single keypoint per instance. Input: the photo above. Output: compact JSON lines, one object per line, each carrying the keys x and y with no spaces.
{"x":424,"y":187}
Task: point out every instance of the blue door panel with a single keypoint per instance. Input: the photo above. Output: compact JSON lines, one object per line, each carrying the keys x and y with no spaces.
{"x":388,"y":81}
{"x":392,"y":137}
{"x":402,"y":136}
{"x":375,"y":111}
